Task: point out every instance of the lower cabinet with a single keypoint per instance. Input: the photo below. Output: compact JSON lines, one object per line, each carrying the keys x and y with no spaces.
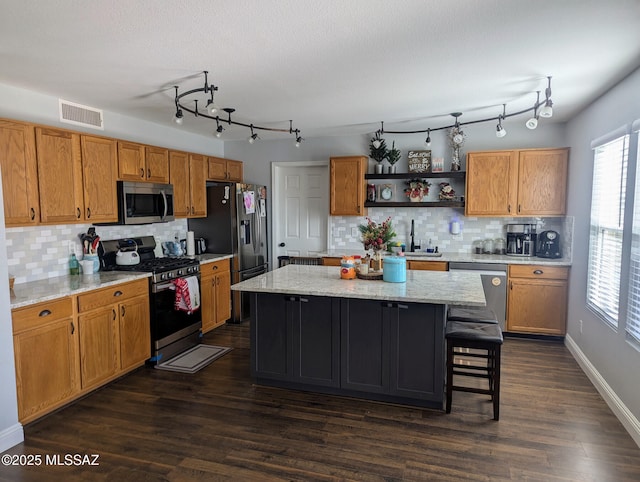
{"x":45,"y":343}
{"x":296,"y":339}
{"x":60,"y":356}
{"x":215,"y":281}
{"x":349,"y":346}
{"x":537,"y":299}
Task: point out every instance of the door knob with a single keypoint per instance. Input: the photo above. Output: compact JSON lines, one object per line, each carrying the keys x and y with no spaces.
{"x":281,"y":245}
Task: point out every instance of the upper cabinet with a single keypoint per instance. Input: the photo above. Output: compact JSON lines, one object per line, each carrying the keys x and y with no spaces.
{"x":220,"y":169}
{"x":529,"y":182}
{"x":19,"y":173}
{"x":100,"y":171}
{"x":347,"y":188}
{"x":188,"y":174}
{"x":137,"y":162}
{"x":59,"y":176}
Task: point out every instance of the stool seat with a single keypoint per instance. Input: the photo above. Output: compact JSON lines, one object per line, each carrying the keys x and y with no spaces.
{"x":474,"y":314}
{"x":480,"y":332}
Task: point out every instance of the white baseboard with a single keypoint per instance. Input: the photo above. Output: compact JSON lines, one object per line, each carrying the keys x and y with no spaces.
{"x":11,"y":436}
{"x":619,"y":409}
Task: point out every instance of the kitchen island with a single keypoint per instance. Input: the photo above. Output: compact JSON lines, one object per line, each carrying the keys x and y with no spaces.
{"x":311,"y":330}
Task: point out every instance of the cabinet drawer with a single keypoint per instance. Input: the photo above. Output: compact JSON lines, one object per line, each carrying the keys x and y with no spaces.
{"x":331,"y":261}
{"x":538,"y":272}
{"x":210,"y":269}
{"x":41,"y":313}
{"x":112,"y":294}
{"x":428,"y":265}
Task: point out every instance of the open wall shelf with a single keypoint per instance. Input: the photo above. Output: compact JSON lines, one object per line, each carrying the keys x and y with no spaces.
{"x":425,"y":204}
{"x":419,"y":175}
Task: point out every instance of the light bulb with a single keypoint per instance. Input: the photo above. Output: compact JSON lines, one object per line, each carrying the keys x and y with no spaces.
{"x":500,"y":131}
{"x":219,"y":130}
{"x":251,"y":140}
{"x":532,"y":123}
{"x":178,"y":118}
{"x":218,"y":135}
{"x":298,"y":141}
{"x":546,"y":111}
{"x":211,"y":108}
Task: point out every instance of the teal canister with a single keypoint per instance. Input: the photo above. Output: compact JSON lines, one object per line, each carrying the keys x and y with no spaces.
{"x":394,"y":269}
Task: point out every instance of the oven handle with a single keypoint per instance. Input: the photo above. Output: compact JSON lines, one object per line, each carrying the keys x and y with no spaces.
{"x":159,"y":287}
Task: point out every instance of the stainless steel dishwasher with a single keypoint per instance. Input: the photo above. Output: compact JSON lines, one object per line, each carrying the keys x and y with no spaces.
{"x":494,"y":282}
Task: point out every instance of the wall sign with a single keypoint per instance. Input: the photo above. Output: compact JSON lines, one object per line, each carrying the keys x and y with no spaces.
{"x":419,"y":161}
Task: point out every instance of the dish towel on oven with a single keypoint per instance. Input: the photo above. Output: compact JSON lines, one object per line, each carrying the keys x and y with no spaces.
{"x":187,"y":294}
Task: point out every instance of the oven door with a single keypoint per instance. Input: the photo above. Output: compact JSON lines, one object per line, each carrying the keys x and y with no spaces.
{"x":168,"y":325}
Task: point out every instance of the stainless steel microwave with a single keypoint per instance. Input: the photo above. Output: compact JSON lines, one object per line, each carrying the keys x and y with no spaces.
{"x":144,"y":202}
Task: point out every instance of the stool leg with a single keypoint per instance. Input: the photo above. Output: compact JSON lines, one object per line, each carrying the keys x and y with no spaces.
{"x":496,"y":383}
{"x":449,"y":374}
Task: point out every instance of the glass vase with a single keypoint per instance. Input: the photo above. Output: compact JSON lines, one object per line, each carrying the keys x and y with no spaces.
{"x":376,"y":260}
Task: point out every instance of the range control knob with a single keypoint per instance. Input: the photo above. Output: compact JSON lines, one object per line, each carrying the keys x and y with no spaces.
{"x":163,"y":276}
{"x":180,"y":272}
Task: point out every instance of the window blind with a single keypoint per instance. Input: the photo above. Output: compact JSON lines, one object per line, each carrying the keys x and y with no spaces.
{"x":606,"y":227}
{"x":633,"y":307}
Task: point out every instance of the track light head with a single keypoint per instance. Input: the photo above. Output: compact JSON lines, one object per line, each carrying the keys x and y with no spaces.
{"x":211,"y":107}
{"x":547,"y":110}
{"x":427,"y":141}
{"x":298,"y":141}
{"x":532,"y":122}
{"x":500,"y":131}
{"x":219,"y":130}
{"x":179,"y":117}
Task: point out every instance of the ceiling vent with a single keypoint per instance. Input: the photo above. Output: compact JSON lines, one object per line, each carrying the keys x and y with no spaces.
{"x":80,"y":115}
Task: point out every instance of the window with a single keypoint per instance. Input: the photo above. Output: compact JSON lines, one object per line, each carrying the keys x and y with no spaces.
{"x":606,"y":227}
{"x":633,"y":307}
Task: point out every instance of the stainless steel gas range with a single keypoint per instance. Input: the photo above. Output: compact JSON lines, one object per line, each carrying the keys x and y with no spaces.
{"x":172,"y":330}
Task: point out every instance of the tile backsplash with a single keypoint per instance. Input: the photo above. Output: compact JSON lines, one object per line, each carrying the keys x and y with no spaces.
{"x":41,"y":252}
{"x":434,"y":224}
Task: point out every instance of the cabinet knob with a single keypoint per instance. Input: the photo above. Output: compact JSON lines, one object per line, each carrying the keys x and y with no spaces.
{"x":44,"y":313}
{"x":78,"y":213}
{"x":88,"y":213}
{"x":114,"y":313}
{"x":117,"y":293}
{"x":282,"y":245}
{"x":122,"y":311}
{"x":141,"y":172}
{"x":33,"y":214}
{"x":149,"y":173}
{"x":538,"y":271}
{"x":73,"y":328}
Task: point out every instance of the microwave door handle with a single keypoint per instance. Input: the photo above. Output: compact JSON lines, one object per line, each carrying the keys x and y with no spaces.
{"x":164,"y":200}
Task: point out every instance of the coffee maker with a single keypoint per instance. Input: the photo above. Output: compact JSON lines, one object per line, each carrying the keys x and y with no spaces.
{"x":521,"y":239}
{"x":548,"y":245}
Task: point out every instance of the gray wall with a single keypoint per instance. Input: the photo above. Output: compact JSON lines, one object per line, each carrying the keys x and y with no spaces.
{"x":612,"y":356}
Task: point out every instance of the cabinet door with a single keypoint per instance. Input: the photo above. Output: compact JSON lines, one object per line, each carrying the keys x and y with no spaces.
{"x":46,"y":367}
{"x":179,"y":177}
{"x":347,"y":186}
{"x":365,"y":346}
{"x":234,"y":170}
{"x":416,"y":350}
{"x":59,"y":176}
{"x":131,"y":163}
{"x":542,"y":182}
{"x":316,"y":340}
{"x":198,"y":185}
{"x":19,"y":173}
{"x":270,"y":332}
{"x":223,"y":298}
{"x":135,"y":332}
{"x":491,"y":188}
{"x":208,"y":302}
{"x":157,"y":162}
{"x":98,"y":345}
{"x":100,"y":172}
{"x":537,"y":306}
{"x":216,"y":169}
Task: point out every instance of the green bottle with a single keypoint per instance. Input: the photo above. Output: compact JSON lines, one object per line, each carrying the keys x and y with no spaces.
{"x":74,"y":266}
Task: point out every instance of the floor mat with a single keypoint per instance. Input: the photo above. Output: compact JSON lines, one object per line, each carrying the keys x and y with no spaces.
{"x":194,"y":359}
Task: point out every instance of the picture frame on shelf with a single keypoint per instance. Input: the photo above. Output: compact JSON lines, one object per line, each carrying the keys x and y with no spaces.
{"x":419,"y":160}
{"x":387,"y":192}
{"x":437,"y":164}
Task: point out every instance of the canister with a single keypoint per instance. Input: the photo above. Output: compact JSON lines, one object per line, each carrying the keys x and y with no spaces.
{"x":395,"y":269}
{"x":347,"y":268}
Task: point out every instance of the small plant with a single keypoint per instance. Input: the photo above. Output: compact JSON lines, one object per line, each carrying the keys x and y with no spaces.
{"x":394,"y":154}
{"x":377,"y":236}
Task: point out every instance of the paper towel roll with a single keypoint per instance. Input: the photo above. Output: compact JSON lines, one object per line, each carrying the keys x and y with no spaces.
{"x":191,"y":244}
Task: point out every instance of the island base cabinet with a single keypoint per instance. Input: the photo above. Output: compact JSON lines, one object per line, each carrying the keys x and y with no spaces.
{"x":295,"y":338}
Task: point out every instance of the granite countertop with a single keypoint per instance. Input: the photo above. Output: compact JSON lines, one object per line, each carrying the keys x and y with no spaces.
{"x":33,"y":292}
{"x":438,"y":287}
{"x":210,"y":257}
{"x":466,"y":258}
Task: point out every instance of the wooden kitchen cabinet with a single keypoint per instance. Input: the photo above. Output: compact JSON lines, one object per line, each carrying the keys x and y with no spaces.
{"x":347,"y":186}
{"x":59,"y":176}
{"x":19,"y":173}
{"x":220,"y":169}
{"x":100,"y":172}
{"x":137,"y":162}
{"x":529,"y":182}
{"x":215,"y":279}
{"x":537,"y":299}
{"x":428,"y":265}
{"x":45,"y":341}
{"x":119,"y":337}
{"x":187,"y":173}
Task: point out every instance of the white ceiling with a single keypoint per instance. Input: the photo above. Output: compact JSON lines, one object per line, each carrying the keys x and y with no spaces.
{"x":333,"y":66}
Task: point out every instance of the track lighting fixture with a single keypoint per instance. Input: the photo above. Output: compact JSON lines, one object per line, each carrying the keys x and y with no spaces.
{"x":212,"y":109}
{"x":427,"y":141}
{"x":547,"y":109}
{"x":532,"y":123}
{"x":298,"y":141}
{"x":501,"y":131}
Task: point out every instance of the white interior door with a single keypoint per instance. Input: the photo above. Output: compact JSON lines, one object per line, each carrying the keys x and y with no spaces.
{"x":301,"y":208}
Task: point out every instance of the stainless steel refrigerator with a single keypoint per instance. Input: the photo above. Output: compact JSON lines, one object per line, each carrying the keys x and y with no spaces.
{"x":236,"y":224}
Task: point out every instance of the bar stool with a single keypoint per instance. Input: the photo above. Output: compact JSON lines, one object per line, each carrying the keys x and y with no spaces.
{"x":473,"y":314}
{"x":484,"y":337}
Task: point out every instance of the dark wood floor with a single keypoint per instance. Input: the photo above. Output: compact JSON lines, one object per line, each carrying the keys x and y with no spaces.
{"x":217,"y":425}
